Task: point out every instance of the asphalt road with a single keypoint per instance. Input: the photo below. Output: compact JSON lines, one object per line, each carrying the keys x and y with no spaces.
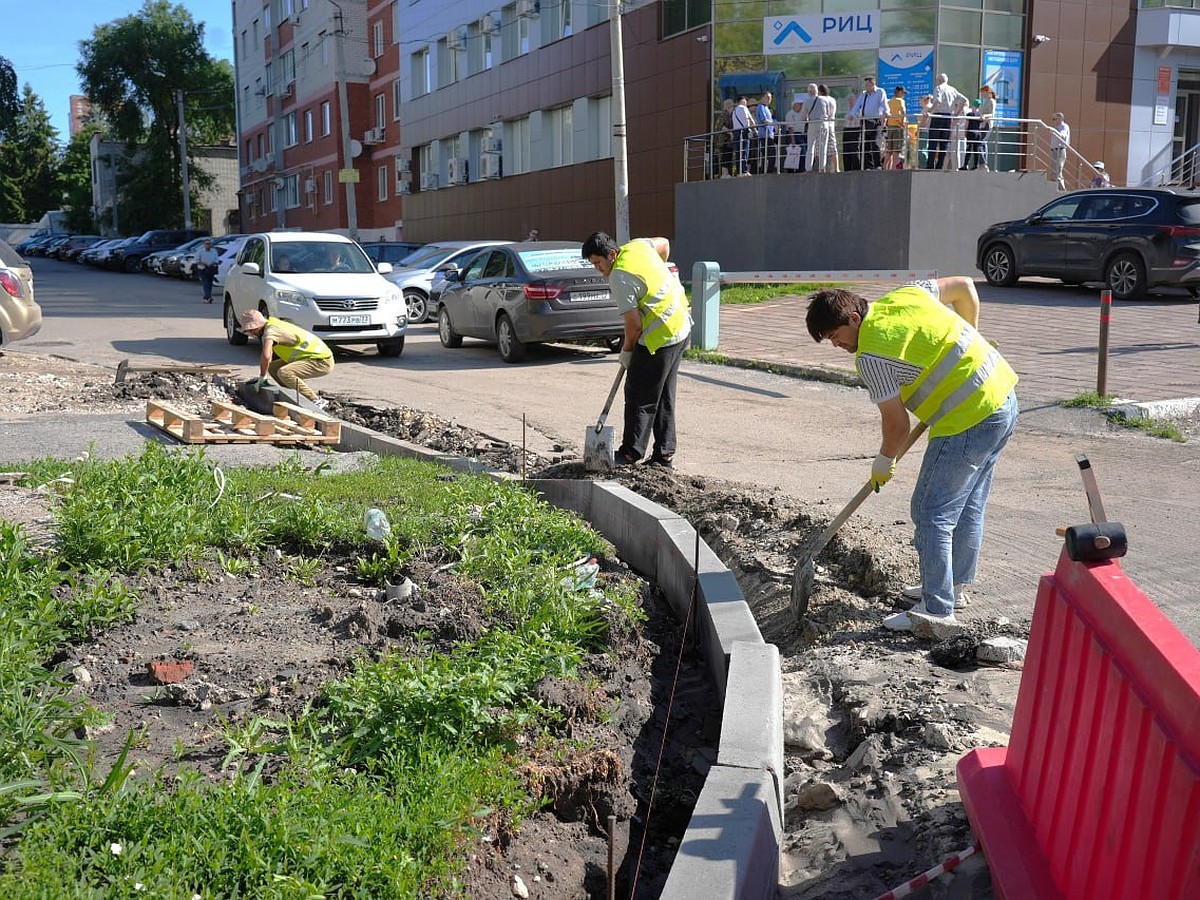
{"x":809,"y":440}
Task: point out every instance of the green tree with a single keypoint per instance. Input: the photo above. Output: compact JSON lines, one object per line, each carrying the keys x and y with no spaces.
{"x":132,"y":69}
{"x":29,"y":162}
{"x":9,"y":103}
{"x":75,"y":175}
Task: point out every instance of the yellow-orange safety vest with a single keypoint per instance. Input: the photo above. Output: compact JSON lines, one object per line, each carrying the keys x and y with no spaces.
{"x":963,"y":379}
{"x":305,"y":346}
{"x":664,"y":305}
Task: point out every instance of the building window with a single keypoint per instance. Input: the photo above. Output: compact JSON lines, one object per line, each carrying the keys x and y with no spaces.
{"x":420,"y":72}
{"x":680,"y":15}
{"x":326,"y":121}
{"x":380,"y":110}
{"x":516,"y":146}
{"x":396,"y":100}
{"x":425,"y":162}
{"x":259,"y":141}
{"x":291,"y":191}
{"x":249,"y":151}
{"x":328,"y":186}
{"x":561,"y":136}
{"x":270,"y":83}
{"x":267,"y":26}
{"x":308,"y":126}
{"x":323,"y":39}
{"x":382,"y":186}
{"x":377,"y":39}
{"x":288,"y":62}
{"x":447,"y":63}
{"x":556,"y":20}
{"x":289,"y":130}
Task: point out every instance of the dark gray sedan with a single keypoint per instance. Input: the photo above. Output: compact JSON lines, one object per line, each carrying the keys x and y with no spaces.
{"x":529,"y":293}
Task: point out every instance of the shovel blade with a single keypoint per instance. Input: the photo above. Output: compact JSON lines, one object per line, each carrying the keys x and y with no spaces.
{"x":802,"y":585}
{"x":599,"y":449}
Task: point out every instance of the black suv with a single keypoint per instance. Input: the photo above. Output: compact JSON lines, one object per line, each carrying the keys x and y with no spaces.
{"x":131,"y":255}
{"x":1132,"y":239}
{"x":389,"y":251}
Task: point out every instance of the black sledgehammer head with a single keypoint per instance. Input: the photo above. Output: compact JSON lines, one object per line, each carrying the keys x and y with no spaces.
{"x":1096,"y":542}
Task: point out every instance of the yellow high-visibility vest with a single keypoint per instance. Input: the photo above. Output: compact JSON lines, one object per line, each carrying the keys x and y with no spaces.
{"x":664,"y":306}
{"x":963,"y":379}
{"x":306,"y":346}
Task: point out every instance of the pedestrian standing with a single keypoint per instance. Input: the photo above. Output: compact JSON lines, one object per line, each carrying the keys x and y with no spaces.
{"x":945,"y":100}
{"x":206,"y":268}
{"x":657,"y":327}
{"x":918,"y":351}
{"x":1060,"y":140}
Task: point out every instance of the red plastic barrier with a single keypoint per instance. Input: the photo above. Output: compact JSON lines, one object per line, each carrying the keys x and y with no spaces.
{"x":1098,"y":793}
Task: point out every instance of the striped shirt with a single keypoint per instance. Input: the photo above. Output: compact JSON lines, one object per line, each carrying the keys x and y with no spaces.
{"x":883,"y":375}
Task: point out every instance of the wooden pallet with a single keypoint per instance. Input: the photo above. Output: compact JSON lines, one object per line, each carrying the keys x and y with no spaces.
{"x":231,"y":424}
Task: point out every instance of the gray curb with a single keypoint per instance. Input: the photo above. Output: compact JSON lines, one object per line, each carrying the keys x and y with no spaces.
{"x":732,"y":844}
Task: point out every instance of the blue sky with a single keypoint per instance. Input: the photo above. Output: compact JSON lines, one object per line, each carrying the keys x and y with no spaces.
{"x":41,"y":40}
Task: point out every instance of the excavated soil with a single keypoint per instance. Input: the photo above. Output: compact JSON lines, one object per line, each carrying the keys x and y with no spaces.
{"x":874,"y":721}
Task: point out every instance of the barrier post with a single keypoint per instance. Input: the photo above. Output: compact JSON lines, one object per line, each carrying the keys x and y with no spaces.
{"x":1102,"y":357}
{"x":706,"y":305}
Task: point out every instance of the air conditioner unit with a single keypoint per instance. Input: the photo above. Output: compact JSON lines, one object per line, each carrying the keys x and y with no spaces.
{"x":374,"y":135}
{"x":404,"y":165}
{"x":278,"y":183}
{"x":489,"y":166}
{"x":404,"y":187}
{"x":491,"y":144}
{"x":488,"y":24}
{"x":453,"y":166}
{"x":528,"y":8}
{"x":455,"y":40}
{"x":259,"y":165}
{"x":310,"y":185}
{"x":429,"y":182}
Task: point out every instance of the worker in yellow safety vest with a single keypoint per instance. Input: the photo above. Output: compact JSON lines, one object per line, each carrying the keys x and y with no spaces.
{"x":289,"y":353}
{"x":917,"y":351}
{"x":657,"y":325}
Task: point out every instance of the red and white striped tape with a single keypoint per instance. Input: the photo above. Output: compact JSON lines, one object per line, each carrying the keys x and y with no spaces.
{"x":925,"y":877}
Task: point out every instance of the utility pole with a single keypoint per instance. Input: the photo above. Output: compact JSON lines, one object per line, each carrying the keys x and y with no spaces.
{"x":183,"y":162}
{"x":620,"y":152}
{"x":347,"y":171}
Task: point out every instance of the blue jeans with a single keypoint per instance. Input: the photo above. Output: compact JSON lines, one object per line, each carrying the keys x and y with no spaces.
{"x":948,"y":504}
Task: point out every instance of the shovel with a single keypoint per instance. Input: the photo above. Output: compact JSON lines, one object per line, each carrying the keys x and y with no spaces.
{"x":599,"y":442}
{"x":802,"y":578}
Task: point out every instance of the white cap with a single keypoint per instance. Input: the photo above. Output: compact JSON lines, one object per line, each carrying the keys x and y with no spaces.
{"x":1098,"y":164}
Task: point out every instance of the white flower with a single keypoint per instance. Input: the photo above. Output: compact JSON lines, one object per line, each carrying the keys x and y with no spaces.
{"x":138,"y":886}
{"x":115,"y":849}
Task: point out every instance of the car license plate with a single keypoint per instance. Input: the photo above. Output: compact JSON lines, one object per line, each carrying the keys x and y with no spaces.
{"x":349,"y":320}
{"x":592,"y":297}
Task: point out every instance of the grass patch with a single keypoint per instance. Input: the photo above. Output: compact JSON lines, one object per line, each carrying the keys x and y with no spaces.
{"x":1104,"y":402}
{"x":743,"y":294}
{"x":376,"y":787}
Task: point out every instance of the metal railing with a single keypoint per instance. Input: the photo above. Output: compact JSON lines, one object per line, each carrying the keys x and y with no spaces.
{"x":1182,"y":171}
{"x":1010,"y":145}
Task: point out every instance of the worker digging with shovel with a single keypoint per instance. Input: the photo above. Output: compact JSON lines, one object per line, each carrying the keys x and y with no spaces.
{"x":289,"y":354}
{"x":917,"y":350}
{"x":657,"y":327}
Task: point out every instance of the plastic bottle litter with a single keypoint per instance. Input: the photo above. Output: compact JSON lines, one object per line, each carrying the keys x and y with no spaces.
{"x":583,"y":574}
{"x":377,"y":524}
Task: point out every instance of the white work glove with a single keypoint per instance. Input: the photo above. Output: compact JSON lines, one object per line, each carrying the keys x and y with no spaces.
{"x":625,"y":357}
{"x":882,"y":471}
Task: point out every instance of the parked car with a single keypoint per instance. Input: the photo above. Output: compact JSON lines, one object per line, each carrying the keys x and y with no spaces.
{"x":1132,"y":239}
{"x":20,"y":316}
{"x":526,"y":293}
{"x":390,"y":251}
{"x":48,"y":245}
{"x":297,"y":276}
{"x":29,"y":243}
{"x":415,"y":274}
{"x":92,"y":254}
{"x":159,"y":263}
{"x":71,"y":248}
{"x":104,"y":258}
{"x":227,"y":258}
{"x":129,"y":258}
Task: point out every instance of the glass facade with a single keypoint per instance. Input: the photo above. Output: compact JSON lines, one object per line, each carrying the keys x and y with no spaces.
{"x":959,"y":31}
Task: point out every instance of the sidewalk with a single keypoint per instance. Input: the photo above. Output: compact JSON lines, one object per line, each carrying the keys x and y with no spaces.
{"x":1047,"y":331}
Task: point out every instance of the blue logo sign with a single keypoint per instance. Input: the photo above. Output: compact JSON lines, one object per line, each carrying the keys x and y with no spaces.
{"x":792,"y":27}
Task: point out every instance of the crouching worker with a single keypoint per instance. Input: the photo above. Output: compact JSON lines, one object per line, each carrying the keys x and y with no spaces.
{"x":289,"y":354}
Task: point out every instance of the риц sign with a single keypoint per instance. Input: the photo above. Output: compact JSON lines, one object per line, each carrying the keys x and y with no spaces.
{"x":821,"y":32}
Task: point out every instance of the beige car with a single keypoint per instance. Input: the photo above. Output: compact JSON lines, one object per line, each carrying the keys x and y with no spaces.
{"x":20,"y":316}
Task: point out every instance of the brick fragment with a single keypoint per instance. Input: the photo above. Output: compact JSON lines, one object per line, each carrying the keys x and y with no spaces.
{"x":169,"y":671}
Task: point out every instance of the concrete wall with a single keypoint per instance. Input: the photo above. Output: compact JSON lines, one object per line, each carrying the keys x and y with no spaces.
{"x":913,"y":219}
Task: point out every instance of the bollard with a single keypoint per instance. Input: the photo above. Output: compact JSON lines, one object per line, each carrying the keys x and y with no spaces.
{"x":706,"y":305}
{"x":1102,"y":356}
